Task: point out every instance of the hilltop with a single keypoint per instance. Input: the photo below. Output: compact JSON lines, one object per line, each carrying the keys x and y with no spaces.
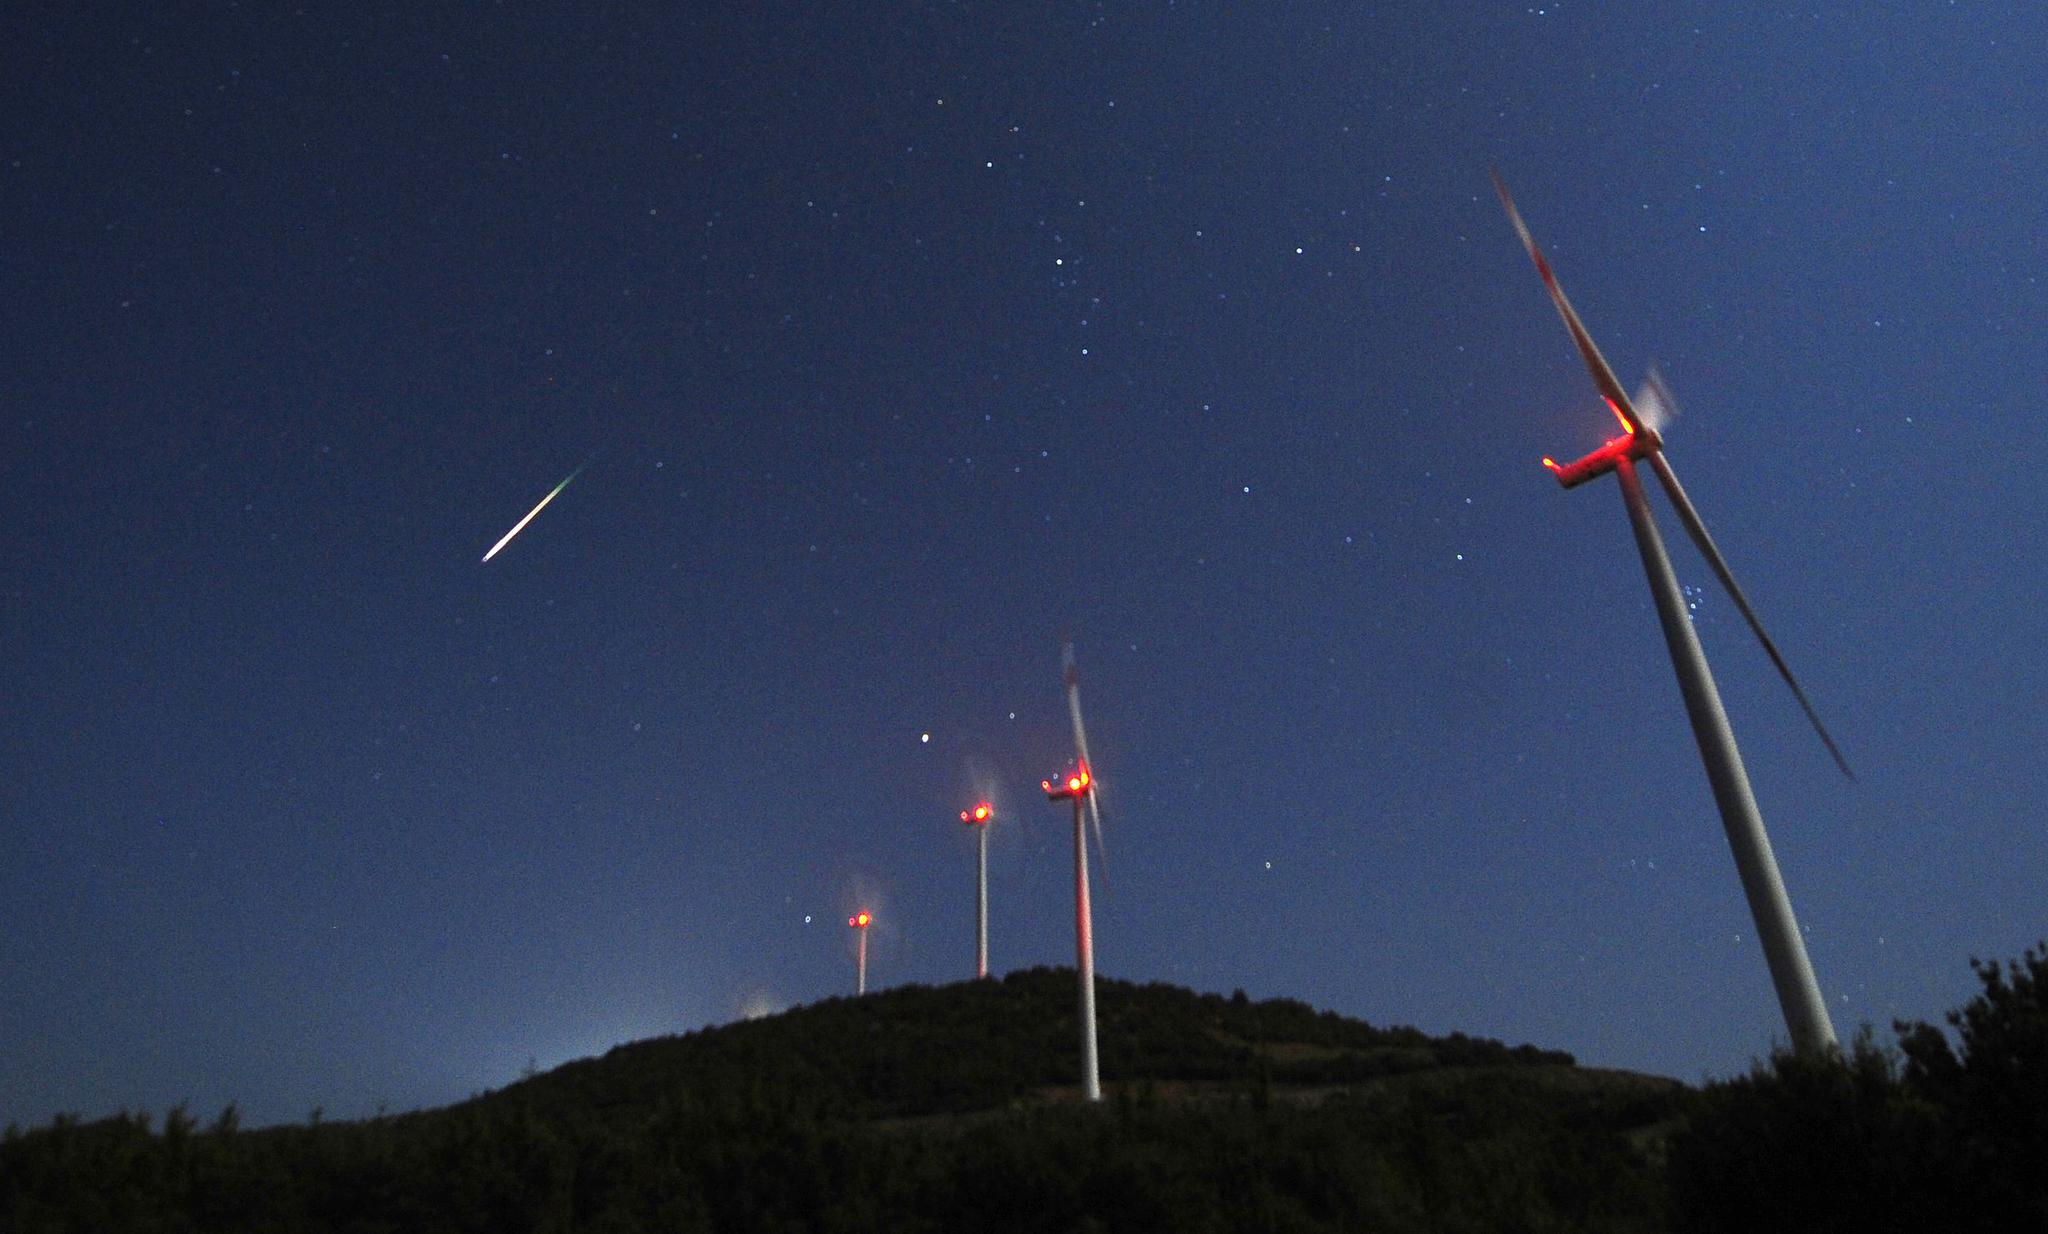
{"x":929,"y":1108}
{"x":1006,"y":1043}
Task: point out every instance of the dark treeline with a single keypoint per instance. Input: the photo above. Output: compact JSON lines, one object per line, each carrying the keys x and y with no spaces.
{"x":951,"y":1108}
{"x":1477,"y":1155}
{"x":1932,"y":1135}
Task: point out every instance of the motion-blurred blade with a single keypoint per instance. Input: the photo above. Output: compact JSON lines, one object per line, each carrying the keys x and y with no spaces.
{"x":1101,"y":853}
{"x":1596,"y":364}
{"x":1691,"y":518}
{"x":1071,"y":674}
{"x":1654,"y":402}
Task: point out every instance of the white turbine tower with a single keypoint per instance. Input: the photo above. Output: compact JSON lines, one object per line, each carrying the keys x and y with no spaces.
{"x":1799,"y":996}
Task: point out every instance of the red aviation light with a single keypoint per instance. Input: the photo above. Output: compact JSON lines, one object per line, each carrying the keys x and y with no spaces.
{"x":858,"y":921}
{"x":979,"y":814}
{"x":1626,"y":427}
{"x":1074,"y":785}
{"x":1631,"y":444}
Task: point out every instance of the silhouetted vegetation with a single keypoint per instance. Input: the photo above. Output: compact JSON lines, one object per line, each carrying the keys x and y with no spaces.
{"x":954,"y":1108}
{"x":1932,"y":1136}
{"x":924,"y":1109}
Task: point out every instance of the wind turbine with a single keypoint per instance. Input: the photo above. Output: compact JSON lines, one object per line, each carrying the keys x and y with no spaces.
{"x":1806,"y":1014}
{"x":859,"y":921}
{"x":1078,"y":786}
{"x":979,"y":818}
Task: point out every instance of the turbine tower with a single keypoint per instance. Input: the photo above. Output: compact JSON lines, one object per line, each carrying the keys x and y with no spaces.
{"x":1806,"y":1014}
{"x":979,"y":818}
{"x":1078,"y":787}
{"x":859,"y":921}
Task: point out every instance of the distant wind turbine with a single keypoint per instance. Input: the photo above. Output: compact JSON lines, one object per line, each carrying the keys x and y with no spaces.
{"x":979,"y":818}
{"x":1077,"y":787}
{"x":859,"y":921}
{"x":1799,"y":996}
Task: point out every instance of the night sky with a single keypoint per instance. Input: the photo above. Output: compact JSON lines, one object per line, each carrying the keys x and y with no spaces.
{"x":901,"y":340}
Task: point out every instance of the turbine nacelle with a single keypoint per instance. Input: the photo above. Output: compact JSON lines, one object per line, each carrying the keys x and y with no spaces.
{"x":979,"y":815}
{"x":1634,"y":443}
{"x":859,"y":921}
{"x":1073,"y":786}
{"x":1599,"y":462}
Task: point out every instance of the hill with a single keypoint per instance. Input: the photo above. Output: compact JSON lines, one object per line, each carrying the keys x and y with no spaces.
{"x":980,"y":1045}
{"x":928,"y":1109}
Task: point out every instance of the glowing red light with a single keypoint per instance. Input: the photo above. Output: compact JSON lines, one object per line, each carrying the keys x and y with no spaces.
{"x":858,"y":921}
{"x":1626,"y":427}
{"x":1074,"y":784}
{"x":1550,"y":462}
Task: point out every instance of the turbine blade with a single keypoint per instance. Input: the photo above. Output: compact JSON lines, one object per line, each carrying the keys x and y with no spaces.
{"x":1654,"y":402}
{"x":1596,"y":364}
{"x":1071,"y":674}
{"x":1698,"y":530}
{"x":1101,"y":853}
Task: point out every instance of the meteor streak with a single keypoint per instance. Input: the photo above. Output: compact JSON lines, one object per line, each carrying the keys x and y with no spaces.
{"x":521,"y":524}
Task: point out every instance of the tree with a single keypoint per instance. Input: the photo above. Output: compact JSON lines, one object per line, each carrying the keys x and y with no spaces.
{"x":1994,"y":1089}
{"x":1929,"y":1136}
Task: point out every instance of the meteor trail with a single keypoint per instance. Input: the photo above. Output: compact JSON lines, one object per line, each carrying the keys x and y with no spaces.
{"x":521,"y":524}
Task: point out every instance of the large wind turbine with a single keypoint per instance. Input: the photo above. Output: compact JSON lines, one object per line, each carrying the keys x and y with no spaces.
{"x":1806,"y":1015}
